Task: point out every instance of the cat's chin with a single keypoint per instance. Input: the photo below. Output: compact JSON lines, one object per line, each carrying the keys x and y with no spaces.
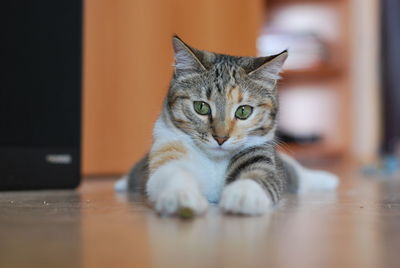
{"x":219,"y":152}
{"x":215,"y":153}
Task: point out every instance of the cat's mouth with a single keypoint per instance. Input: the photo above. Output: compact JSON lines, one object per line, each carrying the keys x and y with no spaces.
{"x":222,"y":149}
{"x":218,"y":150}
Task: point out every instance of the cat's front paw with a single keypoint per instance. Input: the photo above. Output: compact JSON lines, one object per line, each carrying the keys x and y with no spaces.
{"x":245,"y":196}
{"x":172,"y":200}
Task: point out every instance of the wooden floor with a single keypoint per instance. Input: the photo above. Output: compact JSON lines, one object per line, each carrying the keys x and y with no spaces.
{"x":357,"y":226}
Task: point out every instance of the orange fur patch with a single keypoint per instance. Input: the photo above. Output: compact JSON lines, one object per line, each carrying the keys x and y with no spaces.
{"x":268,"y":104}
{"x":165,"y":154}
{"x":232,"y":124}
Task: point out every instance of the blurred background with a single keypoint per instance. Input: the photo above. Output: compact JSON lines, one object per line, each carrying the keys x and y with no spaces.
{"x":330,"y":92}
{"x":339,"y":95}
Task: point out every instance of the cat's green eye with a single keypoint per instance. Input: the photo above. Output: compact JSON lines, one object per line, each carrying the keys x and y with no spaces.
{"x":243,"y":112}
{"x":202,"y":107}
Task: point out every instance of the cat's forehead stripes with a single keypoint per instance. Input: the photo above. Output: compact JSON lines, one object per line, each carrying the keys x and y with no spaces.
{"x":223,"y":77}
{"x":235,"y":94}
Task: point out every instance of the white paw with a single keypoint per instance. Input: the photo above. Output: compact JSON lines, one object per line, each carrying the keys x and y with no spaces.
{"x":246,"y":197}
{"x":317,"y":180}
{"x":172,"y":199}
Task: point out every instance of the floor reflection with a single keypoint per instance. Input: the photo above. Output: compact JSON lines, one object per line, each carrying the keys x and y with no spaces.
{"x":206,"y":241}
{"x":40,"y":229}
{"x":389,"y":195}
{"x":114,"y":228}
{"x":357,"y":226}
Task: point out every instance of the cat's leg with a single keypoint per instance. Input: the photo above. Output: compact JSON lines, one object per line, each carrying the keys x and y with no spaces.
{"x":172,"y":184}
{"x":252,"y":184}
{"x":308,"y":179}
{"x":136,"y":178}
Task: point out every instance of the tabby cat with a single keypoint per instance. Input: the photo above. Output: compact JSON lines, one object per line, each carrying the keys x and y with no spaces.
{"x":214,"y":140}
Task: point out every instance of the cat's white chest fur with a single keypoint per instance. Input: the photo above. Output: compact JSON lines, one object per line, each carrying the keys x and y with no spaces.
{"x":208,"y":173}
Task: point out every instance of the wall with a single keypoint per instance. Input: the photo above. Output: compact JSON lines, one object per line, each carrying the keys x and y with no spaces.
{"x":366,"y":88}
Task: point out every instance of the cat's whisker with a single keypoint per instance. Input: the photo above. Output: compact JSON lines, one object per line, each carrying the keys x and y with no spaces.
{"x":283,"y":145}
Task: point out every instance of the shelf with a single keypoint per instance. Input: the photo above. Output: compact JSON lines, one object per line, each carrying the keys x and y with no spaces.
{"x":330,"y":69}
{"x":312,"y":73}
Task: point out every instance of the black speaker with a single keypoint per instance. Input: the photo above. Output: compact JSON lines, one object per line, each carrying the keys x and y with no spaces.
{"x":40,"y":94}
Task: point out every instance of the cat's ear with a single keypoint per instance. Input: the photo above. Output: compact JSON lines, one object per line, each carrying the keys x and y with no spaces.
{"x":187,"y":59}
{"x":267,"y":69}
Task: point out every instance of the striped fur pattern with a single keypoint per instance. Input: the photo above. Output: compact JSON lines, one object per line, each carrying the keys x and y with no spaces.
{"x":259,"y":164}
{"x":217,"y":157}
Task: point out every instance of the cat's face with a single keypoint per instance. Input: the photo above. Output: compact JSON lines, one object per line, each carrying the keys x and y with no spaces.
{"x":224,"y":103}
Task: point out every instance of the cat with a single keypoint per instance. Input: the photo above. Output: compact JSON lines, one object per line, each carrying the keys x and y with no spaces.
{"x":214,"y":141}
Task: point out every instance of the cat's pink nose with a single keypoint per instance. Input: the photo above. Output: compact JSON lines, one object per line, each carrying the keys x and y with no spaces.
{"x":220,"y":140}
